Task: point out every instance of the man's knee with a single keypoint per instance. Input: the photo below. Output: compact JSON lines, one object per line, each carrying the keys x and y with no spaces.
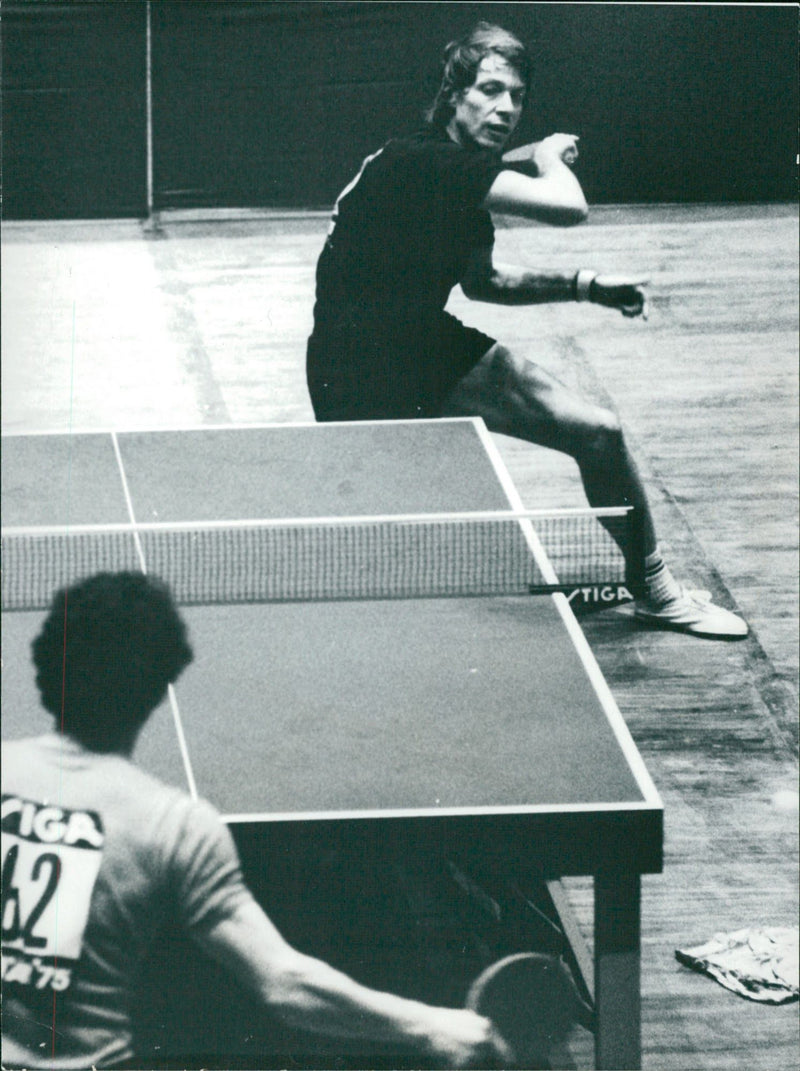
{"x":602,"y":439}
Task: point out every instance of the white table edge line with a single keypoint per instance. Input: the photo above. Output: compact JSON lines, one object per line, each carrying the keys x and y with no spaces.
{"x":599,"y":683}
{"x":585,"y":809}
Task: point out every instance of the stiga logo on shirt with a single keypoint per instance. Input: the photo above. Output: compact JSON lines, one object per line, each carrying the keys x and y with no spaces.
{"x":51,"y":825}
{"x":51,"y":859}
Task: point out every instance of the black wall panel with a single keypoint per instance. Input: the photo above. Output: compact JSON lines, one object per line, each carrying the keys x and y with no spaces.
{"x":73,"y":109}
{"x":268,"y":103}
{"x":288,"y":96}
{"x":672,"y":102}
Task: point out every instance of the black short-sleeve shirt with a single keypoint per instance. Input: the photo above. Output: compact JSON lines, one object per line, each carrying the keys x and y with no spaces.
{"x":403,"y":229}
{"x":400,"y":239}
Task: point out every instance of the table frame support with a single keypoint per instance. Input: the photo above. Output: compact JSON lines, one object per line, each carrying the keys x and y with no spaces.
{"x":617,"y":971}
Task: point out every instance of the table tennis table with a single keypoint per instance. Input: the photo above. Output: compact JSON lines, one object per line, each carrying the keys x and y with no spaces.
{"x":480,"y":723}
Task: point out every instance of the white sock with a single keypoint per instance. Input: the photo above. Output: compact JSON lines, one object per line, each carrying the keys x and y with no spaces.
{"x":661,"y":586}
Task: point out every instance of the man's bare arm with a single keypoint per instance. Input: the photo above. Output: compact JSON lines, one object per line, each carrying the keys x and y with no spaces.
{"x":506,"y":285}
{"x":551,"y":193}
{"x":309,"y":993}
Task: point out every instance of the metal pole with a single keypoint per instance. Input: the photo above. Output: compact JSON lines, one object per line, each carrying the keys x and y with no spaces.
{"x":149,"y":109}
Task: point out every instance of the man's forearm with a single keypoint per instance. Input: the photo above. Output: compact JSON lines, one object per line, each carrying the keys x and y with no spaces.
{"x":309,"y":993}
{"x":315,"y":995}
{"x":517,"y":286}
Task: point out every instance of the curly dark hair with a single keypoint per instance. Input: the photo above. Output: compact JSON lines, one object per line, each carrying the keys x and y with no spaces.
{"x":105,"y":654}
{"x":463,"y":57}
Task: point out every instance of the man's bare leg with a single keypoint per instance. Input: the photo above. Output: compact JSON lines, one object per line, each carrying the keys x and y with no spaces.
{"x":516,"y":397}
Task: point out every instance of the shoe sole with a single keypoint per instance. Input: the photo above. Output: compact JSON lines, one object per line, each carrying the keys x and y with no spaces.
{"x":689,"y":630}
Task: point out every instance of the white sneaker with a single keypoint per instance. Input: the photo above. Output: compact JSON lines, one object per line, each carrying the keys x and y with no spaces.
{"x":692,"y":612}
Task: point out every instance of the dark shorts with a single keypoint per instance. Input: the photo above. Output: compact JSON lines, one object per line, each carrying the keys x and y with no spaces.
{"x":365,"y":368}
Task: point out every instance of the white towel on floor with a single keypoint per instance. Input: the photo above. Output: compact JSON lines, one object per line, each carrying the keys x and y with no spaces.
{"x":760,"y":964}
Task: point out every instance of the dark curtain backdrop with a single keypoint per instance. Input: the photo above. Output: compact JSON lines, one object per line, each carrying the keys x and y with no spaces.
{"x":274,"y":104}
{"x":74,"y":114}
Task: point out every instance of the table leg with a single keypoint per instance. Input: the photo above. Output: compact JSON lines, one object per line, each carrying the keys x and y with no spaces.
{"x":617,"y":971}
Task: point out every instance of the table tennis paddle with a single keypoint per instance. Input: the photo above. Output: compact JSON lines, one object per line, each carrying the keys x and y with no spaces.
{"x":533,"y":1003}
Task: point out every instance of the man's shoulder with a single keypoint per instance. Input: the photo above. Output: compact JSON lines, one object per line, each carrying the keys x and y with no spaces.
{"x":426,"y":140}
{"x":21,"y":748}
{"x":35,"y":763}
{"x":430,"y":155}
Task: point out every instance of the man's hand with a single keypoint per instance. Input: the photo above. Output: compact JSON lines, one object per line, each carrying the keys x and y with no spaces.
{"x":463,"y":1039}
{"x":563,"y":147}
{"x":620,"y":292}
{"x":541,"y":155}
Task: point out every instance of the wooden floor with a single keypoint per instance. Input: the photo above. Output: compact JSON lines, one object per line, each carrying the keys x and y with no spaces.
{"x":204,"y":321}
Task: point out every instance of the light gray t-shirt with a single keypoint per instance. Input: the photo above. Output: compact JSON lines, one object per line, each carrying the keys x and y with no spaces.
{"x":96,"y":855}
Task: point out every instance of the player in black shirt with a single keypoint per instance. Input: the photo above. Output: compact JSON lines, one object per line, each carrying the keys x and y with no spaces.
{"x":415,"y":222}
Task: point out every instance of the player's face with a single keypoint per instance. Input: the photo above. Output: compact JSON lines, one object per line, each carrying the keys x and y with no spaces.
{"x":487,"y":112}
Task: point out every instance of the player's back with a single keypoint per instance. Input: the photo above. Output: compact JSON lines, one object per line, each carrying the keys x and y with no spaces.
{"x":89,"y":849}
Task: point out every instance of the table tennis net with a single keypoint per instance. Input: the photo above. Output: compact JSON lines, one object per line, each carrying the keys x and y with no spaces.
{"x":263,"y":561}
